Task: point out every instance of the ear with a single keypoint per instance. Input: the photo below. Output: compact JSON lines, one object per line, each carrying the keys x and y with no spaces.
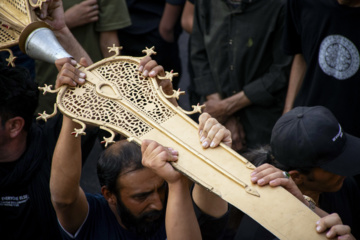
{"x":14,"y":126}
{"x":297,"y":177}
{"x":110,"y":197}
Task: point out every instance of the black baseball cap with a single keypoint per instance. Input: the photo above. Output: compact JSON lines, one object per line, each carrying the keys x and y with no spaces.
{"x":308,"y":137}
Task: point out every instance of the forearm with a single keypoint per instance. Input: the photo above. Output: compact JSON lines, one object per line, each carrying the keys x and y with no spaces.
{"x":297,"y":74}
{"x":236,"y":102}
{"x":66,"y":165}
{"x":168,"y":20}
{"x":108,"y":39}
{"x":208,"y":202}
{"x":181,"y":221}
{"x":187,"y":17}
{"x":71,"y":45}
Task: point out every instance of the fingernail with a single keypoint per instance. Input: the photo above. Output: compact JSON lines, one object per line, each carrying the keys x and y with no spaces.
{"x":42,"y":16}
{"x":272,"y":181}
{"x":261,"y":181}
{"x":254,"y":179}
{"x":74,"y":83}
{"x":253,"y":173}
{"x":212,"y":144}
{"x":82,"y":75}
{"x":170,"y":149}
{"x":200,"y":132}
{"x":145,"y":73}
{"x":202,"y":139}
{"x":152,"y":73}
{"x":205,"y":144}
{"x":318,"y":222}
{"x":141,"y":68}
{"x":73,"y":62}
{"x":318,"y":228}
{"x":328,"y":234}
{"x":81,"y":80}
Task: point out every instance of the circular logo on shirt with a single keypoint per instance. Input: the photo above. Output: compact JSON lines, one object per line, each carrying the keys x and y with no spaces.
{"x":338,"y":57}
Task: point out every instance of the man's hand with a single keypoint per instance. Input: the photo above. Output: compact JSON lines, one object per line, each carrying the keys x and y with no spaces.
{"x":211,"y":132}
{"x":237,"y":133}
{"x":158,"y":158}
{"x":334,"y":227}
{"x":150,"y":68}
{"x":268,"y":174}
{"x":68,"y":73}
{"x":216,"y":107}
{"x":83,"y":13}
{"x":52,"y":13}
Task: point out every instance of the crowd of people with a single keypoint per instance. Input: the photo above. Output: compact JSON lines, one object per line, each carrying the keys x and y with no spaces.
{"x":277,"y":79}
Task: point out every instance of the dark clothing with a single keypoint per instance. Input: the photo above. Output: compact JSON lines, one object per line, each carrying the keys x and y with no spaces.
{"x":101,"y":223}
{"x":25,"y":205}
{"x":345,"y":202}
{"x":146,"y":15}
{"x":239,"y":49}
{"x":144,"y":32}
{"x":326,"y":33}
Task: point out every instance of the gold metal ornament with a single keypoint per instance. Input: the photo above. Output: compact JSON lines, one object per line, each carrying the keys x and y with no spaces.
{"x":118,"y":98}
{"x":19,"y":25}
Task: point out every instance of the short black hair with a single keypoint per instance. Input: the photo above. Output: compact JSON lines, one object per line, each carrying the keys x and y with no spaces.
{"x":263,"y":154}
{"x":18,"y":94}
{"x":113,"y":161}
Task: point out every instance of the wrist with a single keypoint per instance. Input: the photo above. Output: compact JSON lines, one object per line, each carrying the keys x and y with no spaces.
{"x":309,"y":202}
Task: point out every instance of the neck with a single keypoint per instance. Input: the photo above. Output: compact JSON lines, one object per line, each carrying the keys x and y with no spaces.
{"x":13,"y":149}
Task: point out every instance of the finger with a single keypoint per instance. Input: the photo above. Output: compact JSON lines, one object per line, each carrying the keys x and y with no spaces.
{"x":44,"y":10}
{"x":91,"y":2}
{"x":174,"y":154}
{"x":205,"y":138}
{"x":143,"y":62}
{"x":261,"y":168}
{"x":222,"y":135}
{"x":328,"y":221}
{"x":149,"y":66}
{"x":59,"y":63}
{"x":157,"y":70}
{"x":84,"y":62}
{"x":144,"y":145}
{"x":338,"y":230}
{"x":70,"y":75}
{"x":202,"y":119}
{"x":267,"y":176}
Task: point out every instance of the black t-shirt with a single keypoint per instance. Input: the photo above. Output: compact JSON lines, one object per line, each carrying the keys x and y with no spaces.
{"x":327,"y":34}
{"x":26,"y":211}
{"x":21,"y":216}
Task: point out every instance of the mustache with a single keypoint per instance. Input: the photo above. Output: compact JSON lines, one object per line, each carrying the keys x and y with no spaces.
{"x":150,"y":216}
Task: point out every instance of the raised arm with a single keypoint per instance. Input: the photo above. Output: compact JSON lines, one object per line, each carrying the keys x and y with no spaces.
{"x":297,"y":74}
{"x":211,"y":133}
{"x":68,"y":198}
{"x":181,"y":222}
{"x":52,"y":13}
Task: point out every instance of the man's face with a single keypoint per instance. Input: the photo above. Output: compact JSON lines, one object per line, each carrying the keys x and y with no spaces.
{"x":323,"y":181}
{"x":141,"y":201}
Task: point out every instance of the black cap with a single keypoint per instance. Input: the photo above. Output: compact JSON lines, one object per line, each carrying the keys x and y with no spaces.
{"x":308,"y":137}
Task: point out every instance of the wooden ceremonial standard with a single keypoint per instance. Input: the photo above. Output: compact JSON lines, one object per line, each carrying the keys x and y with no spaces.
{"x":117,"y":98}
